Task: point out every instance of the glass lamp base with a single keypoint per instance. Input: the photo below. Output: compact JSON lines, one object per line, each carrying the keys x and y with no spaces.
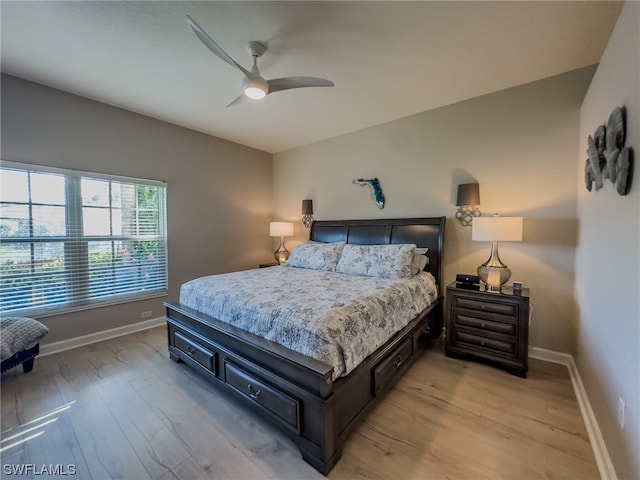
{"x":494,"y":277}
{"x":493,"y":272}
{"x":281,"y":254}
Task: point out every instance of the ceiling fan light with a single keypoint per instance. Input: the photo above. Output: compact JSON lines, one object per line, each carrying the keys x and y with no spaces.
{"x":255,"y":93}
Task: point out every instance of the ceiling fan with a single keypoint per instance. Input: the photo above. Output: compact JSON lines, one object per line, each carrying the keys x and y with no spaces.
{"x":255,"y":86}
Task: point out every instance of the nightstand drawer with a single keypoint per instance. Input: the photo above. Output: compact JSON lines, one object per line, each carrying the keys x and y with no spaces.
{"x":489,"y":344}
{"x":505,"y":328}
{"x":503,"y":308}
{"x":200,"y":354}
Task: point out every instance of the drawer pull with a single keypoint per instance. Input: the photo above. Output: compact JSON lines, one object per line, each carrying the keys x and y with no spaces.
{"x":483,"y":325}
{"x":482,"y":343}
{"x":190,"y":350}
{"x":398,"y":361}
{"x":253,"y":393}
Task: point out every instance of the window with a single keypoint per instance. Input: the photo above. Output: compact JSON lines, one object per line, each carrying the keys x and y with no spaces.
{"x":70,"y":239}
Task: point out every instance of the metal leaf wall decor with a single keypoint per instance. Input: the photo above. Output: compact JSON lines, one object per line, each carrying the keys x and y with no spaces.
{"x":376,"y":191}
{"x":607,"y":157}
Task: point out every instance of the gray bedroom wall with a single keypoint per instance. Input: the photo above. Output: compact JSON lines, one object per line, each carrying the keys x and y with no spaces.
{"x":608,"y":256}
{"x":520,"y":144}
{"x":219,"y":193}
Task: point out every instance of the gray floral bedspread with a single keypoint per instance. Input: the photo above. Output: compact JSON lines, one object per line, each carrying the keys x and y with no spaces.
{"x":336,"y":318}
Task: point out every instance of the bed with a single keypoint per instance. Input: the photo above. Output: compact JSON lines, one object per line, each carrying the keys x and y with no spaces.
{"x":317,"y":403}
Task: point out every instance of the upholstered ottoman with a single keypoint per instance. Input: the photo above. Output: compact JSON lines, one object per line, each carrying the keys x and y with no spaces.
{"x":20,"y":341}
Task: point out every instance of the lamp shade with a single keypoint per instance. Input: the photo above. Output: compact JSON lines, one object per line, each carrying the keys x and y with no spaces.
{"x":281,"y":229}
{"x":497,"y":229}
{"x":307,"y":207}
{"x":468,"y":194}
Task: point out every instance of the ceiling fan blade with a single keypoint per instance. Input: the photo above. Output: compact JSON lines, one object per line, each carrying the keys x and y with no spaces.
{"x":238,"y":100}
{"x":215,"y":48}
{"x":278,"y":84}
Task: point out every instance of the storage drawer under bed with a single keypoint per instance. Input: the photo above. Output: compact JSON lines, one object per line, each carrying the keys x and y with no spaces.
{"x":197,"y":352}
{"x":384,"y":373}
{"x":285,"y":408}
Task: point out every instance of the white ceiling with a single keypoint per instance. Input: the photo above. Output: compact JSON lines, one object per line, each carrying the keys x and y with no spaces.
{"x":388,"y":59}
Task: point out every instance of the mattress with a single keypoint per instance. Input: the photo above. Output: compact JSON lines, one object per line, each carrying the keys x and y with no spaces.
{"x":336,"y":318}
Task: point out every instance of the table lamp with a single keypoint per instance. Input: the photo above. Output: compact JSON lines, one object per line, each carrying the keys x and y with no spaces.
{"x":496,"y":229}
{"x":281,"y":229}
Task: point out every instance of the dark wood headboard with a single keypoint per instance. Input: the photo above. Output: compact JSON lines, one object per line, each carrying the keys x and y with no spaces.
{"x":424,"y":232}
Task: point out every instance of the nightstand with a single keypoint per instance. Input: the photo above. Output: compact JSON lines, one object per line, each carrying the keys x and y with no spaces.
{"x":489,"y":326}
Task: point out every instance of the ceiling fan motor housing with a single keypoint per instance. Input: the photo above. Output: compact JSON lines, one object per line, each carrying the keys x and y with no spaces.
{"x":256,"y":49}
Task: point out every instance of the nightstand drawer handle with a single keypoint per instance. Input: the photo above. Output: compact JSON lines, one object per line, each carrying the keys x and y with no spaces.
{"x":483,"y":325}
{"x":253,"y":393}
{"x":190,"y":350}
{"x":482,"y":343}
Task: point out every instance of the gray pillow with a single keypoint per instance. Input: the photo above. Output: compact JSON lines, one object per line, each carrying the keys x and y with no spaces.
{"x":316,"y":256}
{"x":386,"y":261}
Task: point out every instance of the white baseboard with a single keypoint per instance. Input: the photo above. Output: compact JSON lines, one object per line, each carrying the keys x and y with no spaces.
{"x":55,"y":347}
{"x":605,"y":467}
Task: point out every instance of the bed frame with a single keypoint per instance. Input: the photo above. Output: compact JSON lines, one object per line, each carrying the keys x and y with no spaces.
{"x":294,"y":392}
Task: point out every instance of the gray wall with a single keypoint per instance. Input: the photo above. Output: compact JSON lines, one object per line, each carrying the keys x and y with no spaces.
{"x":520,"y":144}
{"x":608,"y":256}
{"x":212,"y":227}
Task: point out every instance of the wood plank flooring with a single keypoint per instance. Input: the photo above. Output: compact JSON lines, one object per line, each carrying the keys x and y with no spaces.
{"x":122,"y":409}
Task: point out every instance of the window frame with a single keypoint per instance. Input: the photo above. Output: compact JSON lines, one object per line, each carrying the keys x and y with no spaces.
{"x":76,"y":244}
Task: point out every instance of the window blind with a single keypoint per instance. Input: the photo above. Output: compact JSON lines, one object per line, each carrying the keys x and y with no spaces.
{"x":72,"y":240}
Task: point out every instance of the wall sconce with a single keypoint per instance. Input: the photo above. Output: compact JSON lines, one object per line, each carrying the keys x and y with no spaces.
{"x":493,"y":272}
{"x":281,"y":229}
{"x":307,"y":213}
{"x":467,"y":203}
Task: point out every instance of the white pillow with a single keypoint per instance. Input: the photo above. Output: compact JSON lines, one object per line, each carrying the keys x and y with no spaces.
{"x":316,"y":256}
{"x":420,"y":260}
{"x":387,"y":261}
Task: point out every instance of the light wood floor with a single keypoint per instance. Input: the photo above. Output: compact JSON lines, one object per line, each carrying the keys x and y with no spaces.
{"x":122,"y":409}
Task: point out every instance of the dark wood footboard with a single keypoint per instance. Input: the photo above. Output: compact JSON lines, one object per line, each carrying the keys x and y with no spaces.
{"x":294,"y":392}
